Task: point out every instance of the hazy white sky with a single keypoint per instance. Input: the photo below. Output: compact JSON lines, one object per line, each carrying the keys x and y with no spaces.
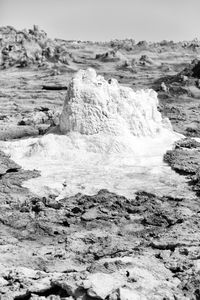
{"x":106,"y":19}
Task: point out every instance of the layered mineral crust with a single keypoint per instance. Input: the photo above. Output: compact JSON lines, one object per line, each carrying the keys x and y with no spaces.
{"x":94,"y":105}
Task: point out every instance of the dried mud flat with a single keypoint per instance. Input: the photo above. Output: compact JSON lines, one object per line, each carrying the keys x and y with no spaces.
{"x":103,"y":246}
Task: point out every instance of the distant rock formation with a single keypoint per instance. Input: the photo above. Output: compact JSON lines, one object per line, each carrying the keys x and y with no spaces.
{"x":142,"y":44}
{"x":24,"y":48}
{"x":126,"y":44}
{"x":111,"y":56}
{"x":185,"y":82}
{"x":94,"y":105}
{"x":192,"y":70}
{"x":146,"y":60}
{"x":21,"y":48}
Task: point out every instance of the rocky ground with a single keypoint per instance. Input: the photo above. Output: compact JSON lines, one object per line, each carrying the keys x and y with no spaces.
{"x":102,"y":246}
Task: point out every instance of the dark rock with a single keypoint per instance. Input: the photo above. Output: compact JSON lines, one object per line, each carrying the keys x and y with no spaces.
{"x":7,"y":165}
{"x":187,"y":143}
{"x":185,"y":159}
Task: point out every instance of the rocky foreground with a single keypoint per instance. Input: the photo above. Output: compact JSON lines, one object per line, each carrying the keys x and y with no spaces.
{"x":103,"y":246}
{"x":96,"y":247}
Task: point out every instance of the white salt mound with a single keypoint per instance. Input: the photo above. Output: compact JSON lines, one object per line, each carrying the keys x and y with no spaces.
{"x":113,"y":137}
{"x":94,"y":105}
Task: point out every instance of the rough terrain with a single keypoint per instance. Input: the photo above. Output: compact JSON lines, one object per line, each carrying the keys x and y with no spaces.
{"x":103,"y":246}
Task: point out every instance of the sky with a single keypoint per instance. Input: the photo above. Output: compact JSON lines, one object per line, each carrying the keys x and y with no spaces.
{"x":103,"y":20}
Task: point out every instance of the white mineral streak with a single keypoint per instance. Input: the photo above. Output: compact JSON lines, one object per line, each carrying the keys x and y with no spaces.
{"x":113,"y":138}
